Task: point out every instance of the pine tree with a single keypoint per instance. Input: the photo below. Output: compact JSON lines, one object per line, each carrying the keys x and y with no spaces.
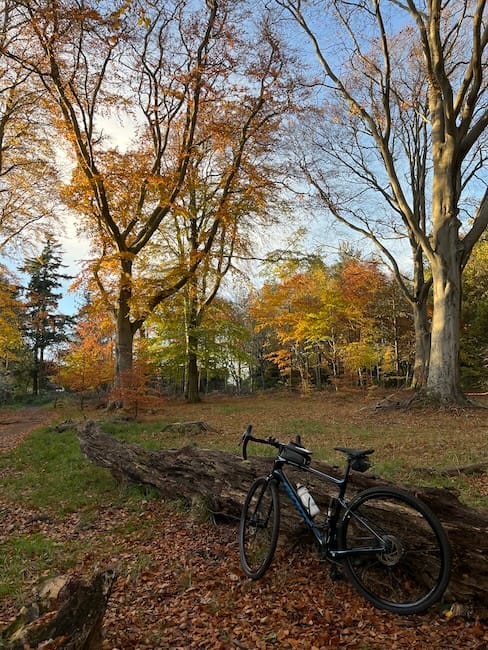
{"x":44,"y":325}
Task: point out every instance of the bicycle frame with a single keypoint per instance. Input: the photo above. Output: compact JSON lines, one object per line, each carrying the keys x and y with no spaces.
{"x":325,"y":535}
{"x":391,"y":570}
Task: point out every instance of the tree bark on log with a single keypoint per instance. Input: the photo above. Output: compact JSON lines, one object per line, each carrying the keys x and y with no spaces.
{"x":67,"y":614}
{"x":222,"y":479}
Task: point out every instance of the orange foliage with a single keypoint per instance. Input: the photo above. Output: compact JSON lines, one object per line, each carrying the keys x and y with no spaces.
{"x":133,"y":390}
{"x":88,"y":364}
{"x":322,"y":320}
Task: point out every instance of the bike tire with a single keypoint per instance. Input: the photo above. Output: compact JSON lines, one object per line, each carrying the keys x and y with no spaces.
{"x":413,"y":573}
{"x":259,"y":527}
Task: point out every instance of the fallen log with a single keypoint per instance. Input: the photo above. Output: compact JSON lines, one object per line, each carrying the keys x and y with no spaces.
{"x":222,"y":479}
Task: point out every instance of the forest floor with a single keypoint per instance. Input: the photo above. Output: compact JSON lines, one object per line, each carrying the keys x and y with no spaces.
{"x":180,"y":585}
{"x":15,"y":425}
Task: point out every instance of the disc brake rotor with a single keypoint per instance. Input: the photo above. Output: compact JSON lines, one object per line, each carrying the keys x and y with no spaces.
{"x":394,"y":551}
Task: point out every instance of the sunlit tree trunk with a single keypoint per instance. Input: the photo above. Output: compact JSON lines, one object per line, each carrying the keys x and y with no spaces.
{"x":445,"y":260}
{"x":443,"y":381}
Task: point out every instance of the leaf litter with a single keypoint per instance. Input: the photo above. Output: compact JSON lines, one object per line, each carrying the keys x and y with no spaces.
{"x":180,"y":586}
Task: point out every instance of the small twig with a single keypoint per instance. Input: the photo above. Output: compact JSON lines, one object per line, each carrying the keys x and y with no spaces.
{"x":238,"y":644}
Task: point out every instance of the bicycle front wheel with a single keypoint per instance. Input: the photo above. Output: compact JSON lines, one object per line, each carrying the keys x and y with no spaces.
{"x":258,"y":531}
{"x":412,"y":570}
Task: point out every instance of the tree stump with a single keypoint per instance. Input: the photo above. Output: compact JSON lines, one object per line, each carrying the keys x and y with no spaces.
{"x":222,"y":479}
{"x":67,"y":614}
{"x":192,"y":428}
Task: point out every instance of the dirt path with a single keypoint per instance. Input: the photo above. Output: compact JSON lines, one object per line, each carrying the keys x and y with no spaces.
{"x":15,"y":426}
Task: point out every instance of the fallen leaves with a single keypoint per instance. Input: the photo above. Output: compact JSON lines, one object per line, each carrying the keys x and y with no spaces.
{"x":180,"y":586}
{"x":193,"y":595}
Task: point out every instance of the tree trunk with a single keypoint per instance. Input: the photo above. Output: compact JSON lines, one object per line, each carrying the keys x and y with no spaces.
{"x":35,"y":373}
{"x":193,"y":376}
{"x":124,"y":337}
{"x":443,"y":382}
{"x":422,"y":345}
{"x":221,"y":479}
{"x":124,"y":340}
{"x":192,"y":323}
{"x":67,"y":613}
{"x":444,"y":249}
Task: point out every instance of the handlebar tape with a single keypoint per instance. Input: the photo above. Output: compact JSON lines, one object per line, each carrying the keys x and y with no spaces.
{"x":245,"y":439}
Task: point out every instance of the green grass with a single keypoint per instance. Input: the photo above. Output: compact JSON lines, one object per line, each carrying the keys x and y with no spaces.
{"x":24,"y":558}
{"x":48,"y":472}
{"x":146,"y":434}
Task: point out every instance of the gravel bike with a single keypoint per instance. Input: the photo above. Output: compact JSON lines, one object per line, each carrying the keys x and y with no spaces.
{"x":391,"y":545}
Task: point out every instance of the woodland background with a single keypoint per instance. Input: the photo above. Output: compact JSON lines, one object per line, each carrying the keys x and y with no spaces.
{"x":184,"y":140}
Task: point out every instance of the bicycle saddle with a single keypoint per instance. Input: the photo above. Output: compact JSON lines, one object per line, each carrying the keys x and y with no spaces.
{"x":355,"y":453}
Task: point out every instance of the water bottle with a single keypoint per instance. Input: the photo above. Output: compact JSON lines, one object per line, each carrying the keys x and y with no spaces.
{"x":307,"y":499}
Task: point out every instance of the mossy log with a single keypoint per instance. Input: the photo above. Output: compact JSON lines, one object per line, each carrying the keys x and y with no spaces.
{"x":222,"y":479}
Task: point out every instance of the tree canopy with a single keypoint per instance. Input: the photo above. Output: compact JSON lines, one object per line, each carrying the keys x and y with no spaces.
{"x":234,"y":117}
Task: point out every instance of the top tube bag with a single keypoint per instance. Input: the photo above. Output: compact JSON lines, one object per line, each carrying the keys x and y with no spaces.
{"x":295,"y":455}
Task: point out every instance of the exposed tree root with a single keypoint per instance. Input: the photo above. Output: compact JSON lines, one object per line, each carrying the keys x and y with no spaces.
{"x":424,"y":399}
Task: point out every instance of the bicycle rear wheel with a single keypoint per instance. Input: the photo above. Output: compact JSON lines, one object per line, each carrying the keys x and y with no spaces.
{"x":412,"y":572}
{"x":258,"y":531}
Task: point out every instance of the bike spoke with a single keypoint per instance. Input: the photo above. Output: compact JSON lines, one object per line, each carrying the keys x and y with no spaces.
{"x":259,"y":528}
{"x":412,"y":568}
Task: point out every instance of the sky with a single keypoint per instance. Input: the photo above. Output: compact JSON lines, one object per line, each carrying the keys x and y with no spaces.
{"x":74,"y":250}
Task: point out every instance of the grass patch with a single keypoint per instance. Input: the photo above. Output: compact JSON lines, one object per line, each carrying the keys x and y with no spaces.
{"x":147,"y":434}
{"x":48,"y":472}
{"x":26,"y":557}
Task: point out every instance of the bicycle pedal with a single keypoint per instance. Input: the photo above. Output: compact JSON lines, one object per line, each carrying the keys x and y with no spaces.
{"x":336,"y":573}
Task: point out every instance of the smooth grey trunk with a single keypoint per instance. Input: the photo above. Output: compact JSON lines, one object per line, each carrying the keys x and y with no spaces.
{"x":422,"y":345}
{"x":445,"y":256}
{"x":443,"y":381}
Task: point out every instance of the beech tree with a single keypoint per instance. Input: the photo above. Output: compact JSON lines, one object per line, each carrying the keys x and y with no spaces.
{"x":401,"y":62}
{"x":244,"y":203}
{"x":178,"y":70}
{"x":27,"y":171}
{"x":223,"y":346}
{"x":86,"y":366}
